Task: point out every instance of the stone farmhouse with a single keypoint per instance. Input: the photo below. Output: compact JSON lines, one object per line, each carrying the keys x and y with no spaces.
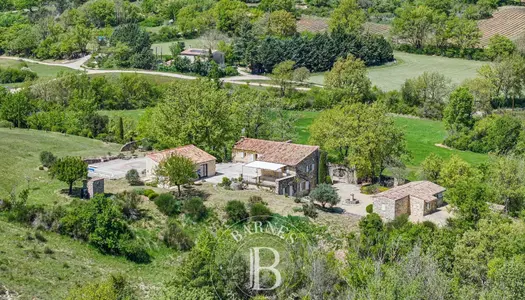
{"x":283,"y":166}
{"x":204,"y":54}
{"x":416,"y":199}
{"x":204,"y":162}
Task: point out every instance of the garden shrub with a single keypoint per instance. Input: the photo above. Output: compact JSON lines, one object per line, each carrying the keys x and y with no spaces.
{"x":370,"y":208}
{"x":133,"y":177}
{"x":148,"y":192}
{"x":256,"y":199}
{"x":370,"y":189}
{"x":226,"y":182}
{"x":236,"y":211}
{"x":309,"y":210}
{"x":129,"y":201}
{"x":47,"y":159}
{"x":260,"y":212}
{"x":194,"y":208}
{"x":175,"y":237}
{"x":153,"y":196}
{"x":168,"y":205}
{"x":325,"y":193}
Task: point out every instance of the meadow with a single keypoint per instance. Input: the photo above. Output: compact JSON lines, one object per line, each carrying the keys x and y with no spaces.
{"x":43,"y":71}
{"x":21,"y":149}
{"x":392,"y":76}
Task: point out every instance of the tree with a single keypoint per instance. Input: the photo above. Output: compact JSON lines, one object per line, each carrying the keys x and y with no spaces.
{"x":325,"y":193}
{"x":229,"y":14}
{"x":195,"y":113}
{"x":362,"y":136}
{"x":177,"y":170}
{"x":281,"y":23}
{"x":428,"y":93}
{"x":47,"y":159}
{"x":176,"y":48}
{"x":507,"y":179}
{"x":500,"y":47}
{"x":101,"y":13}
{"x":458,"y":112}
{"x":414,"y":24}
{"x":283,"y":75}
{"x":463,"y":33}
{"x":505,"y":77}
{"x":431,"y":167}
{"x":275,"y":5}
{"x":301,"y":74}
{"x":236,"y":211}
{"x":349,"y":74}
{"x":16,"y":108}
{"x":253,"y":112}
{"x":469,"y":196}
{"x":195,"y":209}
{"x":69,"y":169}
{"x":133,"y":177}
{"x":348,"y":17}
{"x":456,"y":170}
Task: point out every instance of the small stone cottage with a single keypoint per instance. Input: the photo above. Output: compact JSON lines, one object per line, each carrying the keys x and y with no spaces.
{"x":416,"y":199}
{"x":204,"y":162}
{"x":285,"y":167}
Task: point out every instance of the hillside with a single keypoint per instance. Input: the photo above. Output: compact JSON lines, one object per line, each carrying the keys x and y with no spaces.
{"x":508,"y":21}
{"x":20,"y":150}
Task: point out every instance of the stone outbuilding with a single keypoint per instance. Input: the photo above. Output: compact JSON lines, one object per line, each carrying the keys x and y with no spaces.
{"x":286,"y":167}
{"x":204,"y":162}
{"x":415,"y":199}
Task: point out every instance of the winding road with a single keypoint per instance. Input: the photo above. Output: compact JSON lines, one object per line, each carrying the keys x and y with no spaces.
{"x":243,"y":79}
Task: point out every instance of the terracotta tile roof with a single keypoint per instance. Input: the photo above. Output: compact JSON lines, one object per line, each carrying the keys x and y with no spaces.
{"x":424,"y":190}
{"x":192,"y":152}
{"x":276,"y":152}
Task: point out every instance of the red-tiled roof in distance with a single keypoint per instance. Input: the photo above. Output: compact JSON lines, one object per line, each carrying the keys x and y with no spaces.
{"x":192,"y":152}
{"x":276,"y":152}
{"x":424,"y":190}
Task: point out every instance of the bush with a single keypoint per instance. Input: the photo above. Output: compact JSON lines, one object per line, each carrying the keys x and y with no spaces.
{"x":256,"y":199}
{"x":370,"y":208}
{"x":309,"y":210}
{"x":135,"y":252}
{"x":133,"y":177}
{"x":153,"y":196}
{"x":226,"y":182}
{"x":230,"y":71}
{"x":40,"y":237}
{"x":260,"y":212}
{"x":236,"y":211}
{"x":328,"y":179}
{"x":168,"y":205}
{"x":11,"y":75}
{"x":370,"y":189}
{"x":148,"y":192}
{"x":129,"y":201}
{"x":6,"y":124}
{"x":116,"y":287}
{"x":175,"y":237}
{"x":195,"y":209}
{"x":47,"y":159}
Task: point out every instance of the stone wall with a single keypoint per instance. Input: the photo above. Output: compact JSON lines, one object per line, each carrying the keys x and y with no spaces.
{"x":239,"y":156}
{"x":308,"y":169}
{"x":93,"y":187}
{"x":283,"y":185}
{"x":417,"y":207}
{"x":385,"y":207}
{"x":342,"y":173}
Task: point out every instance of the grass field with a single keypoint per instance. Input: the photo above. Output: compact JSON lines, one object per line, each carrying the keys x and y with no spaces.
{"x":392,"y":77}
{"x":20,"y":149}
{"x":421,"y":135}
{"x":43,"y":71}
{"x":165,"y":47}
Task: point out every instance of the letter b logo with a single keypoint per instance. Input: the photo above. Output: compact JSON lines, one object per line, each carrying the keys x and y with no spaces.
{"x":255,"y":268}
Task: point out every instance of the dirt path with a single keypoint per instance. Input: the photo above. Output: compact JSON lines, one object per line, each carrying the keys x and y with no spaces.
{"x":242,"y":79}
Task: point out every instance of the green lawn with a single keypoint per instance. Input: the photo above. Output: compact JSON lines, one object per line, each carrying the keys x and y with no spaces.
{"x":20,"y":149}
{"x":392,"y":76}
{"x":189,"y":43}
{"x":43,"y":71}
{"x":422,"y":135}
